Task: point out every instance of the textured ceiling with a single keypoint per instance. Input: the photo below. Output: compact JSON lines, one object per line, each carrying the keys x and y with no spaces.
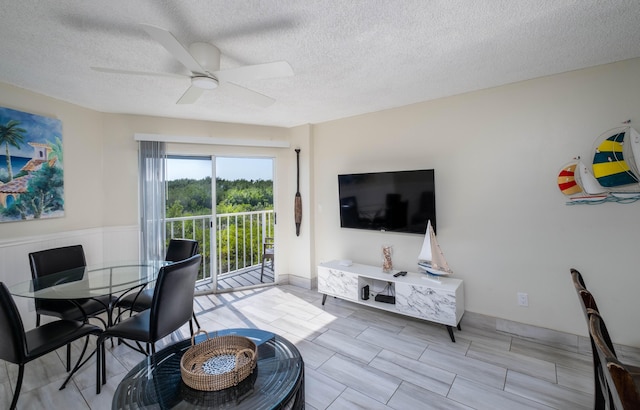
{"x":349,"y":57}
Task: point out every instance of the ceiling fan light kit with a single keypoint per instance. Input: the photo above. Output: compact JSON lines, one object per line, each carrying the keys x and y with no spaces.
{"x":203,"y":82}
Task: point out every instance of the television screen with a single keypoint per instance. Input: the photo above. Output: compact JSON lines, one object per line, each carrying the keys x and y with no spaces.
{"x":398,"y":201}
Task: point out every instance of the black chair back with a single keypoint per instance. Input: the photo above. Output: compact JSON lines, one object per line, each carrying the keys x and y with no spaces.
{"x":56,"y":260}
{"x":172,"y":304}
{"x":13,"y":344}
{"x":181,"y":249}
{"x":49,"y":261}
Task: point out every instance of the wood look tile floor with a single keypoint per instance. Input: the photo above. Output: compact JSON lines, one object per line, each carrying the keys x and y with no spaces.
{"x":355,"y":358}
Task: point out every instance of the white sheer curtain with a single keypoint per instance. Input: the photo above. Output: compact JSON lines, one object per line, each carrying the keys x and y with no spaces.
{"x":152,"y":163}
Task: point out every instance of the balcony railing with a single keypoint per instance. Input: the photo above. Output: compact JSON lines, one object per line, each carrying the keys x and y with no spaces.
{"x":239,"y":238}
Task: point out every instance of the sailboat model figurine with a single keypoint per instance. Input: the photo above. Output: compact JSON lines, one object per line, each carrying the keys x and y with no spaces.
{"x":431,"y":257}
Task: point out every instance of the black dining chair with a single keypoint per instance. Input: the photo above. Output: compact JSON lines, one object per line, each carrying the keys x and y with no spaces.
{"x":67,"y":258}
{"x":171,"y":307}
{"x":20,"y":347}
{"x":178,"y":250}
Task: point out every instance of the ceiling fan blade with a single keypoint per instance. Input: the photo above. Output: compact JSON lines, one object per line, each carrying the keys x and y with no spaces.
{"x":255,"y":72}
{"x":247,"y":95}
{"x":191,"y":95}
{"x":129,"y":72}
{"x":173,"y":46}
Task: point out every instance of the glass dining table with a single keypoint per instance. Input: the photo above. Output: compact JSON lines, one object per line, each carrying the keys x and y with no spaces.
{"x":106,"y":279}
{"x":115,"y":279}
{"x":89,"y":282}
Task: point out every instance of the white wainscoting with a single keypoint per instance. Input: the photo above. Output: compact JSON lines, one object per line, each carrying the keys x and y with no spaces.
{"x":100,"y":244}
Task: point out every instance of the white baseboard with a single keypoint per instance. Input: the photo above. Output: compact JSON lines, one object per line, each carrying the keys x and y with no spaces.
{"x":299,"y":281}
{"x":553,"y":338}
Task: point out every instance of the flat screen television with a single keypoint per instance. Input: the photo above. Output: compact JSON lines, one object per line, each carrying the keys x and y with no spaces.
{"x":396,"y":201}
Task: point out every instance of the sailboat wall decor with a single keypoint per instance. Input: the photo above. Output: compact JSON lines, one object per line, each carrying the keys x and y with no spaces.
{"x":431,"y":258}
{"x":614,"y":174}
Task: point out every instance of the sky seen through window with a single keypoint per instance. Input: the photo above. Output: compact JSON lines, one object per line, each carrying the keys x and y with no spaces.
{"x":228,"y":168}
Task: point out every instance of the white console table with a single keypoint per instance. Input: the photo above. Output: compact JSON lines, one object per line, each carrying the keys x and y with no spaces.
{"x":436,"y":299}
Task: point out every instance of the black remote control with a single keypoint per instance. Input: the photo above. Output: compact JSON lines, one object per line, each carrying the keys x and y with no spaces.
{"x":401,"y":273}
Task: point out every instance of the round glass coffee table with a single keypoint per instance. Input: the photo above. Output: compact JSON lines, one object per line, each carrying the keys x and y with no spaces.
{"x":277,"y":381}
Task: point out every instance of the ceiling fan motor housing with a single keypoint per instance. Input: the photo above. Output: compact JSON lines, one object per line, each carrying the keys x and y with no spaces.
{"x":207,"y":55}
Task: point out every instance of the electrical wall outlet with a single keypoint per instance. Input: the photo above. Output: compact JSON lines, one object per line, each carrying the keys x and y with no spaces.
{"x":523,"y":299}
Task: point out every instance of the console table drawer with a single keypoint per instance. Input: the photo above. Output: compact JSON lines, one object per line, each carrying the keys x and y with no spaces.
{"x":338,"y":283}
{"x":427,"y":303}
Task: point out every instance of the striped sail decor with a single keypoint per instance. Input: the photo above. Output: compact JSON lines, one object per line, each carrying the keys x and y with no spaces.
{"x":609,"y":165}
{"x":567,"y":180}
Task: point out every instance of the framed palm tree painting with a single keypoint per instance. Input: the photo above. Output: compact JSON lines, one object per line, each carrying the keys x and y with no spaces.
{"x":31,"y":166}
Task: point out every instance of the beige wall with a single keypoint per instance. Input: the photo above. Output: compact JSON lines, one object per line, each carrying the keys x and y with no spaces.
{"x":502,"y":222}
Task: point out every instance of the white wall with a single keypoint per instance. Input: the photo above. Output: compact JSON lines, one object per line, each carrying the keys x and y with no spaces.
{"x":299,"y":250}
{"x":502,"y":222}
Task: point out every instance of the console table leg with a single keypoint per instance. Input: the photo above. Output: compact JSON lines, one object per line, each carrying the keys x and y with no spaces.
{"x":324,"y":298}
{"x":450,"y":330}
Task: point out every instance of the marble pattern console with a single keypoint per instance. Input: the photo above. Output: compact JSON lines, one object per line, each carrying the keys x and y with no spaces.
{"x":416,"y":294}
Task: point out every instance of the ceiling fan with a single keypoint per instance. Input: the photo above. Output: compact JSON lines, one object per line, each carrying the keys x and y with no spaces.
{"x":203,"y":61}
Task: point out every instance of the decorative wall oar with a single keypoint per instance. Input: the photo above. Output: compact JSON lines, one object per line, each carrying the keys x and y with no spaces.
{"x":298,"y":201}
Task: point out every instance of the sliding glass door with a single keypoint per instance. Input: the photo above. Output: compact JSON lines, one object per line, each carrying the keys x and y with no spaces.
{"x":244,"y":222}
{"x":233,"y":219}
{"x":189,"y":210}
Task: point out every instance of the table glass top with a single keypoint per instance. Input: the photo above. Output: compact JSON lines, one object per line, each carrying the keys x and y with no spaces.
{"x":109,"y":278}
{"x":277,"y":381}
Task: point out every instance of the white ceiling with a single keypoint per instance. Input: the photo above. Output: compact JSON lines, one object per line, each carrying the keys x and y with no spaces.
{"x":349,"y":57}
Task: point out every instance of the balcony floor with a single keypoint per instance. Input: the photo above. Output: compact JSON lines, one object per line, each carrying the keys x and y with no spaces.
{"x":241,"y":278}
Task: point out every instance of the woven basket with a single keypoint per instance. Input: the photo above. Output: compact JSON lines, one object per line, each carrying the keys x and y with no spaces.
{"x":238,"y":353}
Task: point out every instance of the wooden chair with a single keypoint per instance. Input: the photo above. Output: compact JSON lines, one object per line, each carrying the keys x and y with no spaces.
{"x":578,"y":281}
{"x":588,"y":304}
{"x":267,"y":254}
{"x":20,"y":347}
{"x":619,"y":383}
